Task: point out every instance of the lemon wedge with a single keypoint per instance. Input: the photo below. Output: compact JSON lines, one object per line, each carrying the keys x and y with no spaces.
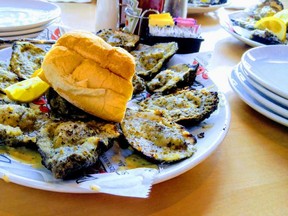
{"x":283,"y":15}
{"x":27,"y":90}
{"x":274,"y":24}
{"x":39,"y":72}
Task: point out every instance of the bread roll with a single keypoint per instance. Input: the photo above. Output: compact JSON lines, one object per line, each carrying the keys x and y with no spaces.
{"x":91,"y":74}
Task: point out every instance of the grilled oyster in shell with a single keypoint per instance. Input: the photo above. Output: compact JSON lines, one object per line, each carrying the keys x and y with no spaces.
{"x":176,"y":76}
{"x":265,"y":8}
{"x":139,"y":84}
{"x":62,"y":109}
{"x":69,"y":146}
{"x":7,"y":77}
{"x":150,"y":59}
{"x":186,"y":106}
{"x":119,"y":39}
{"x":25,"y":59}
{"x":156,"y":137}
{"x":18,"y":125}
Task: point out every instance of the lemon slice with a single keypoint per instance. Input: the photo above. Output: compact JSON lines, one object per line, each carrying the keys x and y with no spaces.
{"x":274,"y":24}
{"x":27,"y":90}
{"x":283,"y":15}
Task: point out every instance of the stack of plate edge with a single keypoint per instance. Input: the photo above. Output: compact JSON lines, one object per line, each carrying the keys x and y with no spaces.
{"x":257,"y":96}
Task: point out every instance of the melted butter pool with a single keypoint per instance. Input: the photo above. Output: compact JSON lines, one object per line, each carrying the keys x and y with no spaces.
{"x":23,"y":155}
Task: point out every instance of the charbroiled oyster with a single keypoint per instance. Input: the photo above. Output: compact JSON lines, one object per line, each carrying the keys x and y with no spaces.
{"x":265,"y":8}
{"x":265,"y":37}
{"x":67,"y":147}
{"x":138,"y":83}
{"x":5,"y":100}
{"x":7,"y":77}
{"x":119,"y":39}
{"x":62,"y":109}
{"x":186,"y":106}
{"x":156,"y":137}
{"x":176,"y":76}
{"x":18,"y":125}
{"x":150,"y":59}
{"x":251,"y":15}
{"x":25,"y":59}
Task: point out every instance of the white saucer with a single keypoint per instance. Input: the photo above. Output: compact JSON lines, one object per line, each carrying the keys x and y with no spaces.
{"x":259,"y":96}
{"x":268,"y":65}
{"x":16,"y":15}
{"x":270,"y":95}
{"x":237,"y":87}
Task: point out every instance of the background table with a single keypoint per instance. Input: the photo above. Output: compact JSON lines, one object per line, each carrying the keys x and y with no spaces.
{"x":246,"y":175}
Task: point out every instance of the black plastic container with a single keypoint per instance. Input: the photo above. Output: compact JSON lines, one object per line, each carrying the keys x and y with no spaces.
{"x":185,"y":45}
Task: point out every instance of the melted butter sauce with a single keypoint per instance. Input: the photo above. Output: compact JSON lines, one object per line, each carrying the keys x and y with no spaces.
{"x":23,"y":155}
{"x":136,"y":161}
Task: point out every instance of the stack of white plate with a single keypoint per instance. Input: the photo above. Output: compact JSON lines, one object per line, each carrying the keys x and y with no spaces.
{"x":261,"y":80}
{"x":26,"y":19}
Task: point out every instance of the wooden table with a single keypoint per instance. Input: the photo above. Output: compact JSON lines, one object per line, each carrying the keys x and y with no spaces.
{"x":246,"y":175}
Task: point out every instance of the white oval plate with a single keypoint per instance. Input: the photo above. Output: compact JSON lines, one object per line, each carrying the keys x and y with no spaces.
{"x":215,"y":129}
{"x":274,"y":97}
{"x":194,"y":9}
{"x":16,"y":15}
{"x":268,"y":66}
{"x":238,"y":88}
{"x":260,"y":97}
{"x":238,"y":33}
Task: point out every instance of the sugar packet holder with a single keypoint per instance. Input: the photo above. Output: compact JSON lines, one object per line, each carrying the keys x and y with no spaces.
{"x":185,"y":31}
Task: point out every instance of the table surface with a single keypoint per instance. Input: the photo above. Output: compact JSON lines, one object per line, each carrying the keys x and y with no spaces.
{"x":246,"y":175}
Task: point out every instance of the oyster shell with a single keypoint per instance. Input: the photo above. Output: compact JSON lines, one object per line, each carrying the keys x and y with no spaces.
{"x":66,"y":147}
{"x":139,"y":84}
{"x":265,"y":37}
{"x":150,"y":59}
{"x":7,"y":77}
{"x":17,"y":125}
{"x":186,"y":106}
{"x":176,"y":76}
{"x":156,"y":137}
{"x":119,"y":39}
{"x":25,"y":59}
{"x":265,"y":8}
{"x":62,"y":109}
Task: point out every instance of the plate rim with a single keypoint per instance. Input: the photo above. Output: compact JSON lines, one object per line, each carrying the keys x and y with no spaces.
{"x":255,"y":76}
{"x":56,"y":13}
{"x":277,"y":98}
{"x":261,"y":99}
{"x":251,"y":102}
